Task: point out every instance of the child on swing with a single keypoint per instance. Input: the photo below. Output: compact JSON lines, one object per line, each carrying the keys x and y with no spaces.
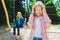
{"x":39,"y":21}
{"x":19,"y":24}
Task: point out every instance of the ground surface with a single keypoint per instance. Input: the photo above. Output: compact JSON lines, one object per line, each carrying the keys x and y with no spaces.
{"x":53,"y":33}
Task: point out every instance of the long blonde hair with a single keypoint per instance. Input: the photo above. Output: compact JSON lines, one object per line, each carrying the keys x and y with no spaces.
{"x":39,"y":3}
{"x":19,"y":15}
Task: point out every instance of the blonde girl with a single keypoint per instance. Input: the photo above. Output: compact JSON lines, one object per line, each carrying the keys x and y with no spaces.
{"x":39,"y":21}
{"x":19,"y":24}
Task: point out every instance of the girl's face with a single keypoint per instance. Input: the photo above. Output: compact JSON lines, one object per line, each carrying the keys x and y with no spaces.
{"x":19,"y":14}
{"x":38,"y":11}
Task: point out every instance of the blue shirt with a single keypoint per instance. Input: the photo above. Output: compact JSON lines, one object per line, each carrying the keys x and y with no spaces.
{"x":19,"y":22}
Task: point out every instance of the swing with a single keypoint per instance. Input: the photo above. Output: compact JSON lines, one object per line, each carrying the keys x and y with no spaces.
{"x":6,"y":14}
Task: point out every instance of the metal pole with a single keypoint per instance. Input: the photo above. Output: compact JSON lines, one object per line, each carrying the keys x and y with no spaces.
{"x":6,"y":13}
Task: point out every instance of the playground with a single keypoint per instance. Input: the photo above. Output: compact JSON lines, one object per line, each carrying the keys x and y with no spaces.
{"x":53,"y":33}
{"x":8,"y":12}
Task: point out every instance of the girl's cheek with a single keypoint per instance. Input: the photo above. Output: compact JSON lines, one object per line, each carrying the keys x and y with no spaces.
{"x":41,"y":14}
{"x":37,"y":12}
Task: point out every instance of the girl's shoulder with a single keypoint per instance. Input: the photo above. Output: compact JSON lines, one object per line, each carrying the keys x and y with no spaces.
{"x":21,"y":18}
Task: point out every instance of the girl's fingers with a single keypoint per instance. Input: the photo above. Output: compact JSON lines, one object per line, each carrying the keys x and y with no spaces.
{"x":43,"y":5}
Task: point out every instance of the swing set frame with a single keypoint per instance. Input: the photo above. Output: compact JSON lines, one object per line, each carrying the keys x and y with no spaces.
{"x":6,"y":14}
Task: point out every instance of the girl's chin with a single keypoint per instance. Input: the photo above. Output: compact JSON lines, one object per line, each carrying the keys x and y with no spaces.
{"x":39,"y":15}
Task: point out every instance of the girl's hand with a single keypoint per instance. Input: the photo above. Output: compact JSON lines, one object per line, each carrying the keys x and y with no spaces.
{"x":30,"y":21}
{"x":43,"y":6}
{"x":48,"y":26}
{"x":44,"y":10}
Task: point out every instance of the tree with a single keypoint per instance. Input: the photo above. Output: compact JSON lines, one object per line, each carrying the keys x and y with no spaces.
{"x":32,"y":3}
{"x":19,"y":7}
{"x":56,"y":4}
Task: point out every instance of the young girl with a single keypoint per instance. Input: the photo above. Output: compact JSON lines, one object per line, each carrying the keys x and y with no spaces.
{"x":39,"y":21}
{"x":18,"y":24}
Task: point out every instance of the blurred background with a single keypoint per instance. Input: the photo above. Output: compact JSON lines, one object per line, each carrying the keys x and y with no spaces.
{"x":25,"y":6}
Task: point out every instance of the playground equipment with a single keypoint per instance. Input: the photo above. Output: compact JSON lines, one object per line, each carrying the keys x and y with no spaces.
{"x":6,"y":13}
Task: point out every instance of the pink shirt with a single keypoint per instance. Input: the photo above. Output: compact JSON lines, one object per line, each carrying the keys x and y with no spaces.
{"x":37,"y":30}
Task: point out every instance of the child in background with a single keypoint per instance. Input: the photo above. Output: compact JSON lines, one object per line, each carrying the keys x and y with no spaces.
{"x":39,"y":21}
{"x":18,"y":24}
